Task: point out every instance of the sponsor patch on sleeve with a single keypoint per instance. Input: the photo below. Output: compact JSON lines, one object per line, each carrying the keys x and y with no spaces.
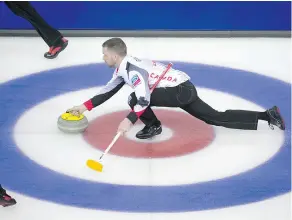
{"x":135,"y":80}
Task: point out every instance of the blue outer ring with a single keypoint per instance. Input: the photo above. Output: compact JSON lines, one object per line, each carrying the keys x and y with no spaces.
{"x":27,"y":177}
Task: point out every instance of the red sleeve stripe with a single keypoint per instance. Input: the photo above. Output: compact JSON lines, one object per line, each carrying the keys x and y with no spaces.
{"x":140,"y":113}
{"x":88,"y":104}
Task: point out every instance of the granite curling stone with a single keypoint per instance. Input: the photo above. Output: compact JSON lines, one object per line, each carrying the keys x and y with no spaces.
{"x":69,"y":123}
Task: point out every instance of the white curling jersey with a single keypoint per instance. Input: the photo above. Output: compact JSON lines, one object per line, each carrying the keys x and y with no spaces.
{"x":149,"y":70}
{"x":141,"y":75}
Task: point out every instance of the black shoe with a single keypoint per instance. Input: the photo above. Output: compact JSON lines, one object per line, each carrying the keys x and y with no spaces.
{"x":5,"y":199}
{"x":275,"y":118}
{"x":55,"y":50}
{"x":149,"y":131}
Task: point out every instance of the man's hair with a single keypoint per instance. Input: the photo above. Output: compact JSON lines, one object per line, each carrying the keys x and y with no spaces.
{"x":117,"y":45}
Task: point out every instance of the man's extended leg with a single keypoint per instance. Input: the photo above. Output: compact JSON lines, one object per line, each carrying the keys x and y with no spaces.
{"x":235,"y":119}
{"x":185,"y":96}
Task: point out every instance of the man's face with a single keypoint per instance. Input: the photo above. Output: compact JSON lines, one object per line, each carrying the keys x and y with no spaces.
{"x":109,"y":57}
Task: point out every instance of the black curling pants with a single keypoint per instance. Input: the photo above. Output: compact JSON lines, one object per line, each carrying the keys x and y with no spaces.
{"x":24,"y":9}
{"x":185,"y":97}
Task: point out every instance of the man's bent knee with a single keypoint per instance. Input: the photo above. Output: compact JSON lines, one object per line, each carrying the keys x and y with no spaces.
{"x":132,"y":100}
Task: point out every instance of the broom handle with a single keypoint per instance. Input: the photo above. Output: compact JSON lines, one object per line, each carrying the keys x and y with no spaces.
{"x":113,"y":141}
{"x":111,"y":144}
{"x":119,"y":133}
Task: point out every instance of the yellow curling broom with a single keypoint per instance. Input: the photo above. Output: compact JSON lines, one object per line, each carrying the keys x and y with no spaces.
{"x":97,"y":165}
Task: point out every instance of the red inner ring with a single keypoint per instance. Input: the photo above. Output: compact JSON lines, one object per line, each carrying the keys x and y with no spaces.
{"x":189,"y":135}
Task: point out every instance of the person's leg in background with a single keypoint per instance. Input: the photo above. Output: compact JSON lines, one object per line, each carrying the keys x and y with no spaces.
{"x":53,"y":38}
{"x":5,"y":199}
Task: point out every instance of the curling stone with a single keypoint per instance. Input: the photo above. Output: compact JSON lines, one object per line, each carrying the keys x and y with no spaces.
{"x":69,"y":123}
